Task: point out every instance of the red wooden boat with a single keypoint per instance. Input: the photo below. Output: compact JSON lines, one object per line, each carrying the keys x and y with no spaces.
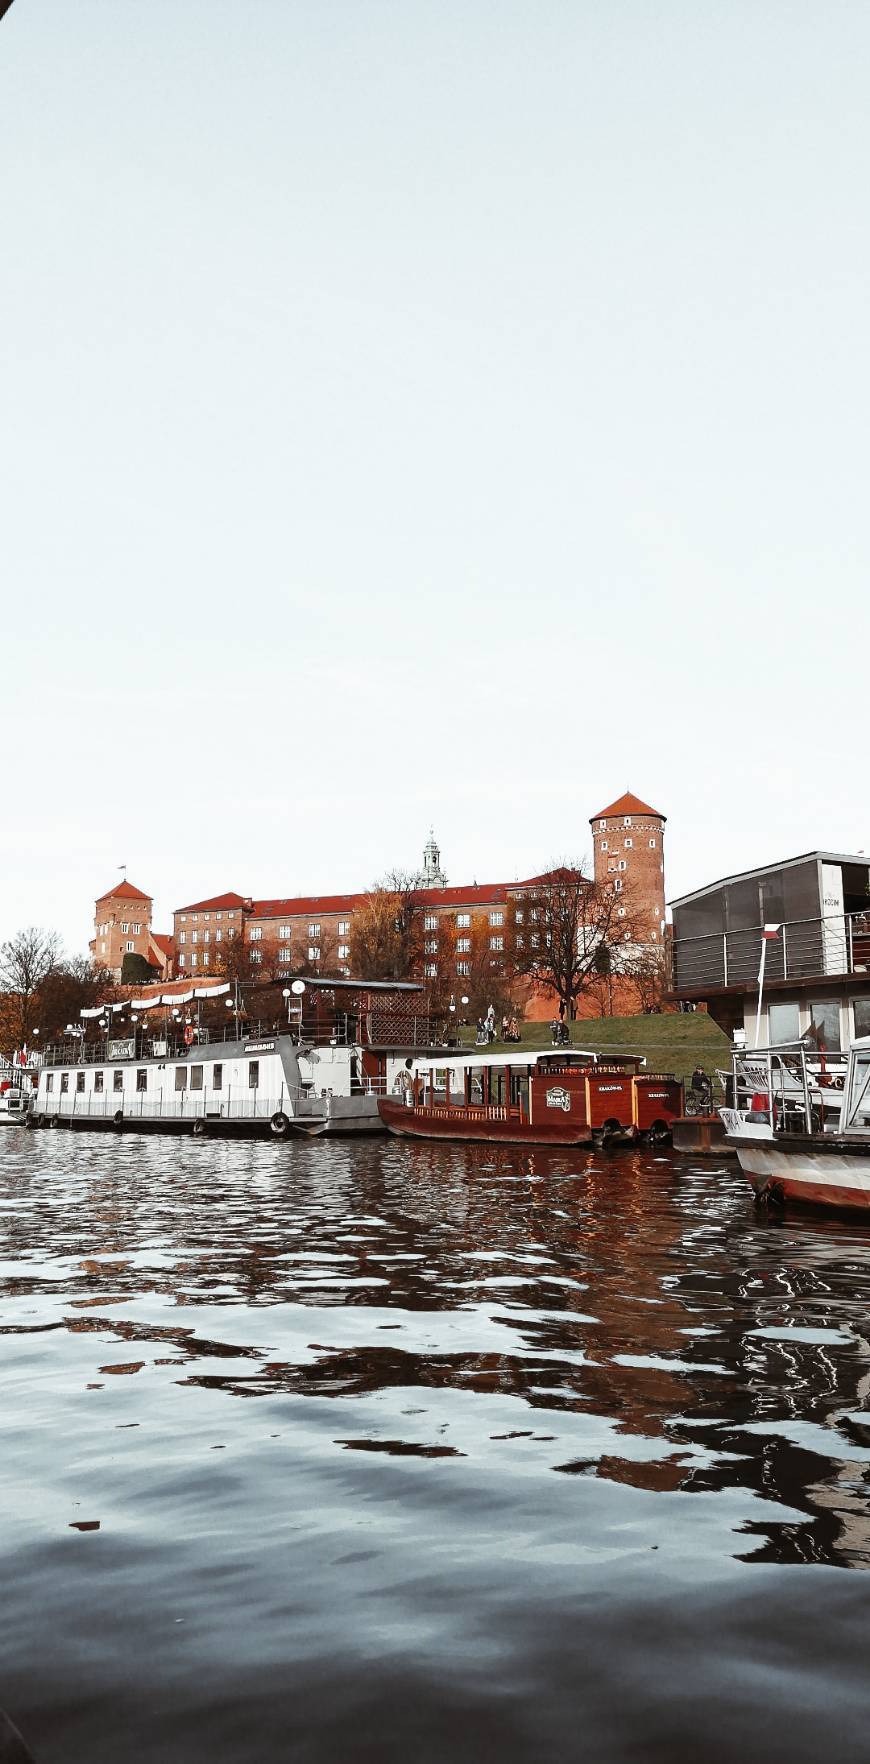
{"x":563,"y":1097}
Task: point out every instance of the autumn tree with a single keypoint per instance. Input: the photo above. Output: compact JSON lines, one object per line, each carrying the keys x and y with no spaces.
{"x":567,"y":932}
{"x":26,"y":961}
{"x":387,"y":935}
{"x":73,"y":985}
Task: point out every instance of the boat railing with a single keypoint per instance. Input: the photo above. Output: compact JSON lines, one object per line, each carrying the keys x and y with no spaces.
{"x":797,"y":1089}
{"x":836,"y":944}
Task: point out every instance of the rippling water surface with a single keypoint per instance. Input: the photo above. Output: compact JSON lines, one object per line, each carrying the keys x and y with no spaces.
{"x":381,"y":1451}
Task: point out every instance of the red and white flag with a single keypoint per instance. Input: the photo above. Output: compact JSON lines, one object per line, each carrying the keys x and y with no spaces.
{"x":770,"y":933}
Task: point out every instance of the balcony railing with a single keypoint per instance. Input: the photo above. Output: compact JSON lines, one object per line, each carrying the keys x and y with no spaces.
{"x":803,"y":949}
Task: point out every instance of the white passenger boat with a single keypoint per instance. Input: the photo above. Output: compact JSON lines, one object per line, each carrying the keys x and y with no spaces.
{"x":320,"y":1073}
{"x":799,"y":1121}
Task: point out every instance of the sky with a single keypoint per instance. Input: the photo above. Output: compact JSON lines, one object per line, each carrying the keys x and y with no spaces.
{"x":445,"y":413}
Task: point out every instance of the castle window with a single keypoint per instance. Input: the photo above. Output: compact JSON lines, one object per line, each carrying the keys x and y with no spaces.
{"x":430,"y":923}
{"x":194,"y":959}
{"x":496,"y":918}
{"x":463,"y":969}
{"x":256,"y":955}
{"x":284,"y":931}
{"x":431,"y":946}
{"x":627,"y":821}
{"x":194,"y":936}
{"x":206,"y":936}
{"x":284,"y":955}
{"x":430,"y":970}
{"x":125,"y":926}
{"x":463,"y":921}
{"x":129,"y":947}
{"x":314,"y":930}
{"x":463,"y":945}
{"x":314,"y":952}
{"x":620,"y":914}
{"x":628,"y":843}
{"x":604,"y":844}
{"x":343,"y":928}
{"x":182,"y":960}
{"x":496,"y":943}
{"x":617,"y":886}
{"x":602,"y":826}
{"x":256,"y":933}
{"x":622,"y":865}
{"x":218,"y":936}
{"x":652,"y":845}
{"x":343,"y":951}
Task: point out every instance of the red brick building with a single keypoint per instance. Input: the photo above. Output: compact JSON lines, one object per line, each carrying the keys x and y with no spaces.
{"x":300,"y":932}
{"x":122,"y":926}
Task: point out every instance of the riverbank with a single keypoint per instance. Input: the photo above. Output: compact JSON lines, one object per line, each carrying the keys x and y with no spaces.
{"x":674,"y":1043}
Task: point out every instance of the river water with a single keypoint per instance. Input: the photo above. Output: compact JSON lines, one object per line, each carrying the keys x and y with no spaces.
{"x":377,"y":1451}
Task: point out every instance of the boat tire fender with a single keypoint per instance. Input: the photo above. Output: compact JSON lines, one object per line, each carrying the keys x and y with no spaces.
{"x":55,"y":1121}
{"x":280,"y":1125}
{"x":198,"y":1127}
{"x":118,"y":1118}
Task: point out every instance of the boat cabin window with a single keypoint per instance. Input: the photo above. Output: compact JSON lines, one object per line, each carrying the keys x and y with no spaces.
{"x":64,"y":1081}
{"x":117,"y":1080}
{"x":825,"y":1024}
{"x":783,"y":1024}
{"x":253,"y":1074}
{"x":196,"y":1077}
{"x":217,"y":1077}
{"x":49,"y":1081}
{"x":861,"y":1008}
{"x":142,"y":1080}
{"x":475,"y":1089}
{"x":858,"y":1107}
{"x":520,"y":1090}
{"x":80,"y":1082}
{"x":98,"y":1080}
{"x":181,"y":1077}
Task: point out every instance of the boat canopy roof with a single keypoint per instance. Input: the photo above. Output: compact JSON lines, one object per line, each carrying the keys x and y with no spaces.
{"x":563,"y":1056}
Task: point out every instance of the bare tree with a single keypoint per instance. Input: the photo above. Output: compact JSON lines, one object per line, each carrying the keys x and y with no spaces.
{"x":26,"y":961}
{"x":567,"y":932}
{"x":485,"y":976}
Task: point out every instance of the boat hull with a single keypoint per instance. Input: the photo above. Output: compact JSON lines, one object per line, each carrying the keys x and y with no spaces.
{"x":488,"y":1127}
{"x":835,"y":1176}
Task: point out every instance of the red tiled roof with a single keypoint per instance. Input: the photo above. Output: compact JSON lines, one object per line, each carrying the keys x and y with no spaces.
{"x":627,"y":805}
{"x":164,"y":941}
{"x":217,"y":903}
{"x":306,"y":903}
{"x":123,"y":891}
{"x":473,"y":894}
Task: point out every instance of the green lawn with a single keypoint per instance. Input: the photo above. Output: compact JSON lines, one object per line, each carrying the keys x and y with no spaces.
{"x":673,"y":1043}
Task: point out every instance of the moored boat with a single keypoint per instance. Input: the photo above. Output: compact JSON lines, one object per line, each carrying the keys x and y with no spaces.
{"x":799,"y":1121}
{"x":565,"y":1097}
{"x":160,"y":1065}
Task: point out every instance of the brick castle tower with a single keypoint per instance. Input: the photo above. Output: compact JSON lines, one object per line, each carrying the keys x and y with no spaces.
{"x":628,"y":842}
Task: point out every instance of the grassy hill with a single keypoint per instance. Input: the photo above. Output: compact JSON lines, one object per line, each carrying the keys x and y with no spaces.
{"x":674,"y":1043}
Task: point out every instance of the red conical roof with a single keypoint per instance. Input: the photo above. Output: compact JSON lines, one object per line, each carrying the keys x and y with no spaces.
{"x":627,"y":805}
{"x":123,"y":891}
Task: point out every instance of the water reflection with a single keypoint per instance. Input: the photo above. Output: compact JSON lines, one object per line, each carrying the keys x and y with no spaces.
{"x":723,"y":1351}
{"x":561,"y":1329}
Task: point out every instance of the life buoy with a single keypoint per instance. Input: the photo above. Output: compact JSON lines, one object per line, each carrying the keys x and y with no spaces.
{"x":118,"y":1118}
{"x":280,"y":1124}
{"x":198,"y":1127}
{"x":189,"y":1035}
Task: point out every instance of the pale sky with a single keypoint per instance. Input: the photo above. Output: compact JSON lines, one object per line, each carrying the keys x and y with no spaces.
{"x":414,"y":413}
